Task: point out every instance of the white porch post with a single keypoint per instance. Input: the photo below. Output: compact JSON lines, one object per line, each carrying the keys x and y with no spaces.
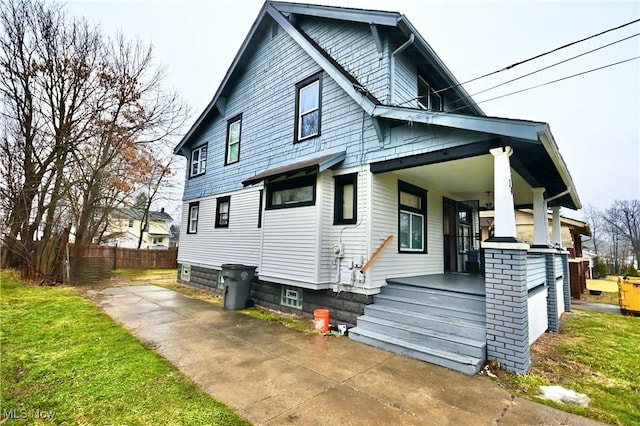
{"x":556,"y":231}
{"x":505,"y":218}
{"x":540,"y":219}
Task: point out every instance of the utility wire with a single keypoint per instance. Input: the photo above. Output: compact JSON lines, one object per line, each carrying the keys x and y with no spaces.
{"x":550,"y":82}
{"x":546,"y":68}
{"x":539,"y":56}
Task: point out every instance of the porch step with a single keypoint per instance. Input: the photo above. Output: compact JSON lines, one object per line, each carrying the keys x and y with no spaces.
{"x":463,"y":363}
{"x":431,"y":308}
{"x":453,"y":326}
{"x":465,"y":301}
{"x":424,"y":337}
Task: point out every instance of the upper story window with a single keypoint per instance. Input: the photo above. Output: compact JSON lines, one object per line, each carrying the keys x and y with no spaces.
{"x":130,"y":223}
{"x":198,"y":161}
{"x":345,"y":196}
{"x":427,"y":96}
{"x":412,"y":215}
{"x":222,"y":212}
{"x":192,"y":221}
{"x":297,"y":192}
{"x":308,"y":108}
{"x":234,"y":127}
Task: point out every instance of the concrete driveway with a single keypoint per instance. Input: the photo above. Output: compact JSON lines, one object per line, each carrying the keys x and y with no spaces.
{"x":272,"y":375}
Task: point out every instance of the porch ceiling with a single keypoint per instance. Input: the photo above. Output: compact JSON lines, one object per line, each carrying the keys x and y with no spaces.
{"x":466,"y":179}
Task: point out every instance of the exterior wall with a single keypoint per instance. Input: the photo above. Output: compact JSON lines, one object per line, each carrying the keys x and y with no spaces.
{"x":211,"y":246}
{"x":290,"y":244}
{"x":130,"y":235}
{"x":265,"y":95}
{"x":353,"y":237}
{"x":343,"y":308}
{"x":353,"y":47}
{"x":384,"y":210}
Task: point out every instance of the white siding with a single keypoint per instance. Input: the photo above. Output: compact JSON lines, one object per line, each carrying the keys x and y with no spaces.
{"x":210,"y":246}
{"x":289,"y":244}
{"x":537,"y":309}
{"x":536,"y":271}
{"x":560,"y":296}
{"x":391,"y":263}
{"x":353,"y":237}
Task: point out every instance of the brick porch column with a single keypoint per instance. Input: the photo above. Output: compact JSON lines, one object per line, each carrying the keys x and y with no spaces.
{"x":506,"y":300}
{"x":552,"y":291}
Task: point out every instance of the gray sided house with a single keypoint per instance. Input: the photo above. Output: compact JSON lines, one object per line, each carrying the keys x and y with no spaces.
{"x":343,"y":160}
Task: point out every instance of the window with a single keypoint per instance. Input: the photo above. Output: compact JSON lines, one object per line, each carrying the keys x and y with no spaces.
{"x":198,"y":161}
{"x":412,"y":213}
{"x":234,"y":126}
{"x":291,"y":297}
{"x":222,"y":212}
{"x":427,"y":96}
{"x":308,"y":108}
{"x":297,"y":192}
{"x":345,"y":200}
{"x":157,"y":240}
{"x":192,"y":225}
{"x":130,"y":223}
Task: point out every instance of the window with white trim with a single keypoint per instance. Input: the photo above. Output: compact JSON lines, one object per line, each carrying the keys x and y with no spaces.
{"x":192,"y":222}
{"x":234,"y":127}
{"x":198,"y":162}
{"x":412,"y":214}
{"x":308,"y":101}
{"x":291,"y":296}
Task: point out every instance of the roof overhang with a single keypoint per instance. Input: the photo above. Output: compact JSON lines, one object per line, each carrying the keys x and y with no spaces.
{"x":317,"y":164}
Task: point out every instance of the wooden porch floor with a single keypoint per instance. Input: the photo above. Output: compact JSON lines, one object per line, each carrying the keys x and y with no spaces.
{"x":455,"y":282}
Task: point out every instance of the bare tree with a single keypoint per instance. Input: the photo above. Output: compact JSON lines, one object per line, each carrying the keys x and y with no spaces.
{"x":623,"y":222}
{"x":75,"y":108}
{"x":593,"y":217}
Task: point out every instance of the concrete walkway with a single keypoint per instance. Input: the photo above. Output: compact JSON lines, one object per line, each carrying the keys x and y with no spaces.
{"x":272,"y":375}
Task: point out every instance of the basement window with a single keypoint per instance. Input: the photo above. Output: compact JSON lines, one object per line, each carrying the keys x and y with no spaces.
{"x":291,"y":297}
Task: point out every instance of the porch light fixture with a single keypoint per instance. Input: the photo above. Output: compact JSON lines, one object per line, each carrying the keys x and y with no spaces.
{"x":488,"y":204}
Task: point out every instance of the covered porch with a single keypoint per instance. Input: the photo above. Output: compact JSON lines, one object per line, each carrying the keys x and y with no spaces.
{"x":492,"y":298}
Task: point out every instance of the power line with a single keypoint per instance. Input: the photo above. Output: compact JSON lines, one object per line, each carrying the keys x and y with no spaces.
{"x":551,"y":82}
{"x":547,"y":67}
{"x":539,"y":56}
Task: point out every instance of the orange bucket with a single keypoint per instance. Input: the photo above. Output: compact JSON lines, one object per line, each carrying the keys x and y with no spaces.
{"x":321,"y":320}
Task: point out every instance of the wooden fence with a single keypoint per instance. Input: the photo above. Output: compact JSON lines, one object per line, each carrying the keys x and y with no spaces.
{"x":95,"y":262}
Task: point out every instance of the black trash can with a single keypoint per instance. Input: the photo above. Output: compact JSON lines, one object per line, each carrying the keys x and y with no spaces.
{"x":237,"y":285}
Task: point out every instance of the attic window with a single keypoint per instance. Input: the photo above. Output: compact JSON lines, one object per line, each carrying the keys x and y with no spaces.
{"x":427,"y":97}
{"x":198,"y":161}
{"x":308,"y":108}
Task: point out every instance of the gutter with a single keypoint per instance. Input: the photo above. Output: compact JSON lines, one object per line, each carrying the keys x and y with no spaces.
{"x":392,"y":70}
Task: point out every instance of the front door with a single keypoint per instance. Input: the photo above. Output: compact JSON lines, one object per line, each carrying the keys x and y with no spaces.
{"x":461,"y":222}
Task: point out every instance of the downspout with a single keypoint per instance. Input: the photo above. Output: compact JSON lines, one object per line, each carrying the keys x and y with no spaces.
{"x":392,"y":70}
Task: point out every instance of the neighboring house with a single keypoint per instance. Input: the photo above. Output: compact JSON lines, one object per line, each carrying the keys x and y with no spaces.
{"x":572,"y":231}
{"x":343,"y":160}
{"x":125,"y":225}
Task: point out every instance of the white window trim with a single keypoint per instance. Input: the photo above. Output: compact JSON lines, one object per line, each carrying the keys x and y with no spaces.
{"x":302,"y":113}
{"x":200,"y":163}
{"x":236,"y":120}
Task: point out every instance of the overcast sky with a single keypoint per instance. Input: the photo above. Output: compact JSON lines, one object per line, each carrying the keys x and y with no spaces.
{"x":595,"y":118}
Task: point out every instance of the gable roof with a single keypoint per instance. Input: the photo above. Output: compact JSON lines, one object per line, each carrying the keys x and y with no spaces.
{"x":547,"y":169}
{"x":281,"y":11}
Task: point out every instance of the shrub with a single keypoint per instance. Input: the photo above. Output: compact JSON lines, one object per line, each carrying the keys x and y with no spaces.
{"x":631,"y":272}
{"x":600,"y":269}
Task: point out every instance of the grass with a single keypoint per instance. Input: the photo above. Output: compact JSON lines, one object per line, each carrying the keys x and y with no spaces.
{"x":595,"y":354}
{"x":295,"y":322}
{"x":64,"y":357}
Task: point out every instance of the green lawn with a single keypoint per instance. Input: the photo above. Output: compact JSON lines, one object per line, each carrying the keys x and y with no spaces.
{"x":63,"y":357}
{"x":595,"y":354}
